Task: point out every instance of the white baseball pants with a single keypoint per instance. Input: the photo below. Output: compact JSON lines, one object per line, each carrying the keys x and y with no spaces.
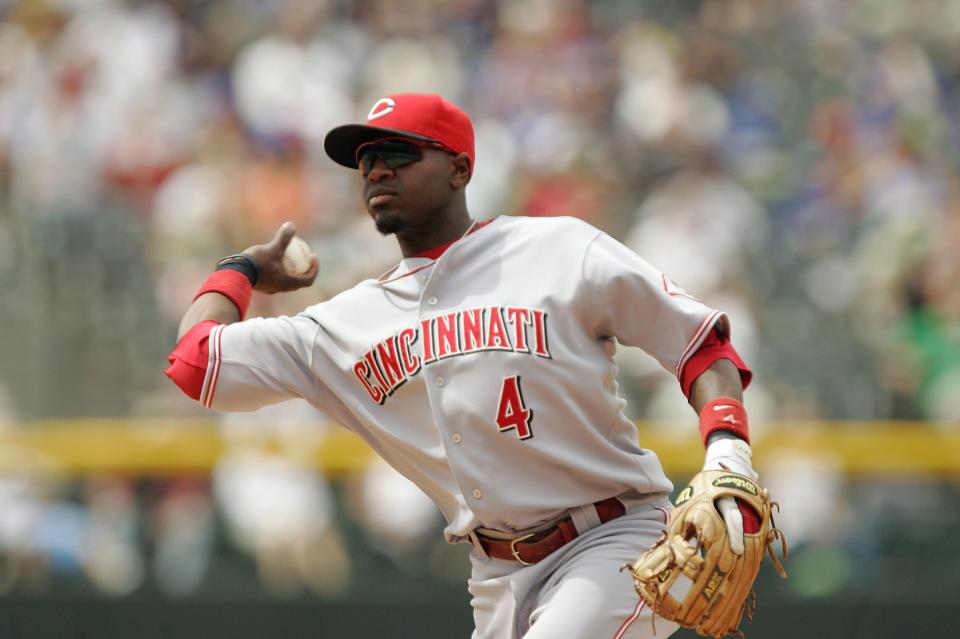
{"x":578,"y":591}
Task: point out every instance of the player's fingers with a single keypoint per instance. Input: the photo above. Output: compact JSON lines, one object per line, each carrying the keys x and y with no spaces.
{"x":734,"y":521}
{"x":283,"y":236}
{"x":306,"y":278}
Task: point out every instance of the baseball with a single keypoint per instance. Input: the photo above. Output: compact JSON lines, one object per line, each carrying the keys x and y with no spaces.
{"x":296,"y":259}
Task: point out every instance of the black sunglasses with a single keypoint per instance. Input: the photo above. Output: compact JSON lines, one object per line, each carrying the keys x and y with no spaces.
{"x":395,"y":152}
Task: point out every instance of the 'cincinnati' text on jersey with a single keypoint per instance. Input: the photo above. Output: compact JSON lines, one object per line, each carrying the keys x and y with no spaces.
{"x":386,"y":366}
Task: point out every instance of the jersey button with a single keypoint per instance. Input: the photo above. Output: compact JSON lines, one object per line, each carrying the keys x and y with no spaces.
{"x":439,"y":381}
{"x":477,"y":493}
{"x":456,"y":438}
{"x":432,"y":301}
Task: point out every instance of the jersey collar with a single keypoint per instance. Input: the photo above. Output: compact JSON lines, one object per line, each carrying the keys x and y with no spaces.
{"x":420,"y":261}
{"x":437,"y":251}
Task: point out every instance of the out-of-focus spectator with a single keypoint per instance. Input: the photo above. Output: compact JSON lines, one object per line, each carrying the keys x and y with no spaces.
{"x":182,"y":528}
{"x":276,"y":506}
{"x":400,"y":518}
{"x":113,"y":554}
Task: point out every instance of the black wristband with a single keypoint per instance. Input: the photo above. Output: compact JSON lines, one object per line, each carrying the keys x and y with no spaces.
{"x":241,"y":263}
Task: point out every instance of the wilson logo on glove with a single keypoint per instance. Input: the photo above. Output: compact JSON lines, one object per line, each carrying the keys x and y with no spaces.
{"x":684,"y":495}
{"x":738,"y":482}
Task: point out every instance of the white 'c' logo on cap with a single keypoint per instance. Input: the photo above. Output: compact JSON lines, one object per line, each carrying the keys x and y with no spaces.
{"x":388,"y":106}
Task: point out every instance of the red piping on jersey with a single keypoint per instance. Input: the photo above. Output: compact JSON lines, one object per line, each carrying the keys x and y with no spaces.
{"x":713,"y":349}
{"x":189,"y":359}
{"x":215,"y":333}
{"x":694,"y":344}
{"x":629,"y":620}
{"x":665,"y":513}
{"x":430,"y":254}
{"x":380,"y":280}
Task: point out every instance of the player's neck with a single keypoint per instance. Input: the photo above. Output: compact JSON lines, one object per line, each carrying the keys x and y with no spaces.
{"x":446,"y":228}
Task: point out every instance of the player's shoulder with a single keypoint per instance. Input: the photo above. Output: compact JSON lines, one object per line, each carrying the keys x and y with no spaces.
{"x":563,"y":229}
{"x":341,"y":304}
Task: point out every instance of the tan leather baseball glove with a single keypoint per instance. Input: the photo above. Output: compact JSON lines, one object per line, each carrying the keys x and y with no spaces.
{"x":696,"y":544}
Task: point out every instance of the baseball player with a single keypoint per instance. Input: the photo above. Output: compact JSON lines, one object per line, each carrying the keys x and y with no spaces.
{"x":481,"y":368}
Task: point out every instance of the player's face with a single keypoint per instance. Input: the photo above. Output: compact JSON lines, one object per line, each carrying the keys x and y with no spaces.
{"x":405,"y":186}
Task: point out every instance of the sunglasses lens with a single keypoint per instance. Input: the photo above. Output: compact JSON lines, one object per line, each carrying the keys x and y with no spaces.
{"x":394,"y":153}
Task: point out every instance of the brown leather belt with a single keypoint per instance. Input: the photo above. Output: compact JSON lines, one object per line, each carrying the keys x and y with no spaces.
{"x":534,"y":547}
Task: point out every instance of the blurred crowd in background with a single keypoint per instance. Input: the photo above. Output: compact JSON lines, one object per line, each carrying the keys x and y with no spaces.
{"x":795,"y":163}
{"x":260,"y":525}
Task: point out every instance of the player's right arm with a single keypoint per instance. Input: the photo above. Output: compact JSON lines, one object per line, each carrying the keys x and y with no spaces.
{"x":268,"y":363}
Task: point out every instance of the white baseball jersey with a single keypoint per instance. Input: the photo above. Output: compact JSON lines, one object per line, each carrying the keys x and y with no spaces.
{"x":484,"y":376}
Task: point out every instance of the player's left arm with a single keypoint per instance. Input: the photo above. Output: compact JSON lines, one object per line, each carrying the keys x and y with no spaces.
{"x":629,"y":299}
{"x":693,"y":542}
{"x":721,"y":379}
{"x":716,"y":395}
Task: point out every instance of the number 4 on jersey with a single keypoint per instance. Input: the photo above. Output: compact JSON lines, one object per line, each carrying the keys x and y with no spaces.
{"x":512,"y":413}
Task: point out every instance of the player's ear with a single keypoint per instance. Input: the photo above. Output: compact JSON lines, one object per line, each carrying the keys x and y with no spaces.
{"x":461,"y":170}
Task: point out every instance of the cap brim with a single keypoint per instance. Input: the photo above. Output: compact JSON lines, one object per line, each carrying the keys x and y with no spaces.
{"x":342,"y":142}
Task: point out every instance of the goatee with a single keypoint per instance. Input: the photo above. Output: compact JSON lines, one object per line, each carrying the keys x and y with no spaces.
{"x":389,"y":223}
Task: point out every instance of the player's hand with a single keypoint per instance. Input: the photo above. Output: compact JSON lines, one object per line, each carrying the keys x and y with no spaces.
{"x":736,"y":456}
{"x":271,"y":276}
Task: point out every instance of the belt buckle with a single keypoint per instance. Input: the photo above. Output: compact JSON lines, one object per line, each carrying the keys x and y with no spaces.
{"x":515,"y":552}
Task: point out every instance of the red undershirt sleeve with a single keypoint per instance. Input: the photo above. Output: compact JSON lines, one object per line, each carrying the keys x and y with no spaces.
{"x":714,"y":348}
{"x":188,"y":360}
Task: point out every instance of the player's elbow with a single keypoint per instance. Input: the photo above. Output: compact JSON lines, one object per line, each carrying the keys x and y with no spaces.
{"x":188,"y":378}
{"x":189,"y":358}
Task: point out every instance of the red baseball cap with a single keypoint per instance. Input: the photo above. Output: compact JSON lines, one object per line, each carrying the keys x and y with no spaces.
{"x":420,"y":116}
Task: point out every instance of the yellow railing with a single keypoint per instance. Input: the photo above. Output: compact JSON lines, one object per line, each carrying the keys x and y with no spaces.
{"x":160,"y":446}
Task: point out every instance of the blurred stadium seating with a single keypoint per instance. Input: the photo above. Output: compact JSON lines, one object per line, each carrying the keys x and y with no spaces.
{"x":796,"y":163}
